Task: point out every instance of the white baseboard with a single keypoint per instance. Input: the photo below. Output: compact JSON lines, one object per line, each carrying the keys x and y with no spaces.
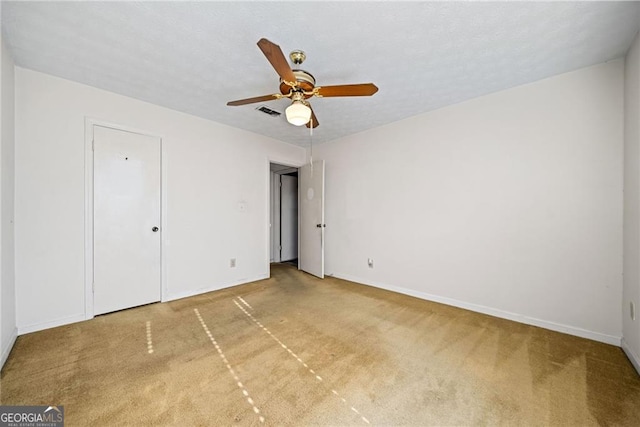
{"x":81,"y":317}
{"x":6,"y":348}
{"x":204,"y":290}
{"x":634,"y":358}
{"x":571,"y":330}
{"x":35,"y":327}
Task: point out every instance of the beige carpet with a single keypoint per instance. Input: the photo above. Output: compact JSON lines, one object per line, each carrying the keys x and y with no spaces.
{"x":295,"y":350}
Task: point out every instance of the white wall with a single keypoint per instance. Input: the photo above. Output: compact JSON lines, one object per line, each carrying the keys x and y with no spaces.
{"x":631,"y":288}
{"x":509,"y":204}
{"x":8,"y":329}
{"x":210,"y":169}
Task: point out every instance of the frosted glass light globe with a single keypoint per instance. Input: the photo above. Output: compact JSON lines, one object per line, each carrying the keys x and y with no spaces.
{"x":298,"y":114}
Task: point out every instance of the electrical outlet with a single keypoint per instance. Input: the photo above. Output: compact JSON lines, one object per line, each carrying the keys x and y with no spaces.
{"x":370,"y":262}
{"x":632,"y":310}
{"x":232,"y":263}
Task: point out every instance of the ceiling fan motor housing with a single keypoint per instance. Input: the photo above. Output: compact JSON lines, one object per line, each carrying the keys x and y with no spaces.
{"x":306,"y":82}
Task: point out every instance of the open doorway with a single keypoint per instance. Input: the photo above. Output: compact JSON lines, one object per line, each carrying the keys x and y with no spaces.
{"x":284,"y":214}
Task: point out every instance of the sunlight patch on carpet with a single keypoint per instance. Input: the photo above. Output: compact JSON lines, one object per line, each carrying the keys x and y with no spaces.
{"x":228,"y":365}
{"x":149,"y":340}
{"x":295,"y":356}
{"x":245,"y":303}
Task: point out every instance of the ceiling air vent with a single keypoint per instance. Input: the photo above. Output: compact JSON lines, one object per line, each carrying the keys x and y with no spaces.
{"x":268,"y":111}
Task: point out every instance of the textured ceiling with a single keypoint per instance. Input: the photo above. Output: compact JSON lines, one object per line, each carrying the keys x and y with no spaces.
{"x":196,"y":56}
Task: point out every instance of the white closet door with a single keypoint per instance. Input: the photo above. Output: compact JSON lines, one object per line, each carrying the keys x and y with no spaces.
{"x":126,"y":219}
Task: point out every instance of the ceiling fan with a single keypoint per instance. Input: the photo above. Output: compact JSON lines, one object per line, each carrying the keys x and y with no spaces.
{"x":299,"y":86}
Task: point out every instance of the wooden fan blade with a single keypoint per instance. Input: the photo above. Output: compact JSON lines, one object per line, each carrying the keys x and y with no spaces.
{"x":313,"y":120}
{"x":364,"y":89}
{"x":275,"y":56}
{"x":253,"y":100}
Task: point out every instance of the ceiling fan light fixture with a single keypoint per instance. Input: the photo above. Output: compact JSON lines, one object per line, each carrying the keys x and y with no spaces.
{"x":298,"y":114}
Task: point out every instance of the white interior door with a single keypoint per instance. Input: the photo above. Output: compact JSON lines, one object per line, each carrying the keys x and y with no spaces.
{"x":311,"y":190}
{"x":126,"y":220}
{"x":288,"y":217}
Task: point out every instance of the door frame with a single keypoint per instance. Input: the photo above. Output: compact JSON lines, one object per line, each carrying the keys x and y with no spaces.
{"x":276,"y":224}
{"x":89,"y":124}
{"x":269,"y":188}
{"x":289,"y":238}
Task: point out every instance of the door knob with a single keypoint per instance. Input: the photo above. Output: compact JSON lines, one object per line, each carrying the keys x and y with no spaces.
{"x":155,"y":229}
